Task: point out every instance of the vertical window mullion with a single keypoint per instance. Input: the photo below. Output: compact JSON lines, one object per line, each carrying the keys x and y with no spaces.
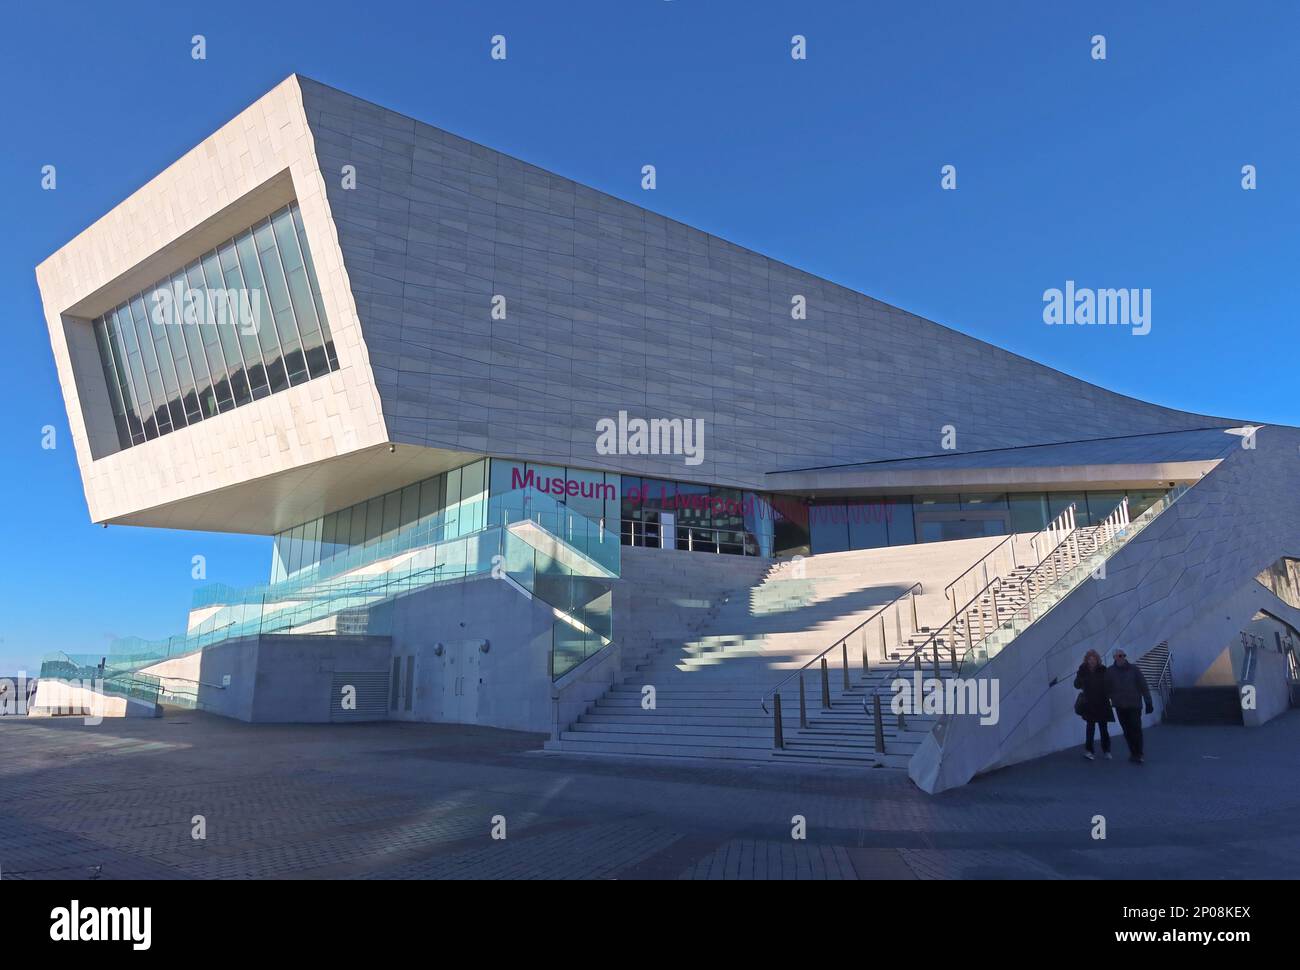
{"x":185,"y":376}
{"x":153,"y":376}
{"x":135,"y":363}
{"x":174,"y":362}
{"x":277,"y":374}
{"x":304,"y":308}
{"x":203,"y":383}
{"x":240,"y":389}
{"x":292,"y":320}
{"x":110,"y":383}
{"x":124,"y":377}
{"x":313,"y":283}
{"x":248,"y":343}
{"x":196,"y":280}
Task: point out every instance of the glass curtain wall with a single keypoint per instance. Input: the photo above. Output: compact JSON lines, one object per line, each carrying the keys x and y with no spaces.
{"x":593,"y":495}
{"x":699,"y":518}
{"x":804,"y":527}
{"x":239,"y":323}
{"x":445,"y":506}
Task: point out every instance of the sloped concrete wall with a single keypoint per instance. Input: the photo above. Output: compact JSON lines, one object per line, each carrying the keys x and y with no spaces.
{"x":1187,"y":578}
{"x":597,"y":289}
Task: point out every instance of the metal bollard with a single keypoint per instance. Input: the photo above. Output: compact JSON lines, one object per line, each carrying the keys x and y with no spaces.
{"x":880,"y":727}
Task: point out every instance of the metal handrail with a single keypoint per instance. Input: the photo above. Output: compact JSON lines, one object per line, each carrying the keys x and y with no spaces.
{"x":947,"y":589}
{"x":871,"y":699}
{"x":1052,"y":527}
{"x":1025,"y":579}
{"x":934,"y":635}
{"x":910,"y":591}
{"x":1164,"y":504}
{"x":1165,"y":682}
{"x":1119,"y":515}
{"x":188,"y":680}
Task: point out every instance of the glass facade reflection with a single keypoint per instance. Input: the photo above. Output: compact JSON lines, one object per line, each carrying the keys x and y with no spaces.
{"x":445,"y":506}
{"x":241,"y":322}
{"x":697,"y":518}
{"x":809,"y":527}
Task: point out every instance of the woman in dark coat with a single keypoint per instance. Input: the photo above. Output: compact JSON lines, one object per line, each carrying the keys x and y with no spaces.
{"x":1092,"y":704}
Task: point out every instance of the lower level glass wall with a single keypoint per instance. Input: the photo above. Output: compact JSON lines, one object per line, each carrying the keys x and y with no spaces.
{"x":452,"y":504}
{"x":804,"y":527}
{"x":698,"y":518}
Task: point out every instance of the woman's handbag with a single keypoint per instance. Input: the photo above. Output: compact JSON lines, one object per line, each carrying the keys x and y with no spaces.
{"x":1080,"y":705}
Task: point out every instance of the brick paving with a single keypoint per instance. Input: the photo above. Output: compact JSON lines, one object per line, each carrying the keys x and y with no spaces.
{"x":413,"y":801}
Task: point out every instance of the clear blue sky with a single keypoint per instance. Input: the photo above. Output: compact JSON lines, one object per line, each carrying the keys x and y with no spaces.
{"x":1117,"y":173}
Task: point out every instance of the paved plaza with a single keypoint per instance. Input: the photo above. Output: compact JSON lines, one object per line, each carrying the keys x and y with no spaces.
{"x":421,"y":801}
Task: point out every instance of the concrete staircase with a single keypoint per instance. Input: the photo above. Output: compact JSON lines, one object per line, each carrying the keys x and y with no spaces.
{"x":712,"y":635}
{"x":1205,"y":705}
{"x":1015,"y":588}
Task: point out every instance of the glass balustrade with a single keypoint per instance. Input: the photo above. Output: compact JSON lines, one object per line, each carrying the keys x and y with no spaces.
{"x":559,"y":556}
{"x":1047,"y":597}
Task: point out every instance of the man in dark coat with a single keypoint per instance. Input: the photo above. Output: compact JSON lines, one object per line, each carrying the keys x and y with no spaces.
{"x":1127,"y":690}
{"x":1092,"y":704}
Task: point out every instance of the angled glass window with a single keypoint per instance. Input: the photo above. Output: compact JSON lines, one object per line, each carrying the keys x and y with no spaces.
{"x":242,"y":321}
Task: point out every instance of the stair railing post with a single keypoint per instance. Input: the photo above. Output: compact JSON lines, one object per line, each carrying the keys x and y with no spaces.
{"x":879,"y":725}
{"x":937,"y":674}
{"x":953,"y":593}
{"x":912,"y":596}
{"x":803,"y":704}
{"x":844,"y":662}
{"x":865,"y":665}
{"x":826,"y":686}
{"x":778,"y":738}
{"x":884,"y":650}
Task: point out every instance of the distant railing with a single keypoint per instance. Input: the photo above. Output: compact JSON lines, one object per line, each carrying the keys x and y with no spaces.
{"x":908,"y":597}
{"x":1051,"y":536}
{"x":343,"y":603}
{"x":976,"y":576}
{"x":1053,"y":580}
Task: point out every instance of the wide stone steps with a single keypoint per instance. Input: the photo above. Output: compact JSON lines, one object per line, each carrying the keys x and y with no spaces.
{"x":711,"y":654}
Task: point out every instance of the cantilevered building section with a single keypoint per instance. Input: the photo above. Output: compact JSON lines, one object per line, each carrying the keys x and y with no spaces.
{"x":395,"y":350}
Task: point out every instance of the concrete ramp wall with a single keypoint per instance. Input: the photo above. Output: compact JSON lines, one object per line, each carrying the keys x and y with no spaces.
{"x":1188,"y":578}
